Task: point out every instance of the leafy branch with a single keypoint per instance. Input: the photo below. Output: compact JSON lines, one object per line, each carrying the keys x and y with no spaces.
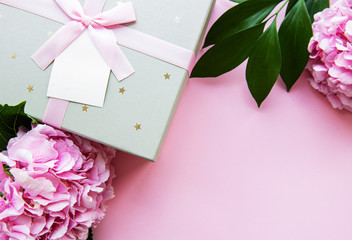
{"x":240,"y":34}
{"x":11,"y":118}
{"x":90,"y":234}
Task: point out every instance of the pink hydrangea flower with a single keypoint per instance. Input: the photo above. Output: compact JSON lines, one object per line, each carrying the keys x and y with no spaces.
{"x":331,"y":54}
{"x":57,"y":187}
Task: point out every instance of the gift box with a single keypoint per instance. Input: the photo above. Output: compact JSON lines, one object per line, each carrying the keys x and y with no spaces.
{"x":130,"y":107}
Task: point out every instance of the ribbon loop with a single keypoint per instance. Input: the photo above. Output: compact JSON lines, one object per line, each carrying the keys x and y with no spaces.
{"x":102,"y":37}
{"x":72,"y":8}
{"x":93,"y":7}
{"x":121,"y":14}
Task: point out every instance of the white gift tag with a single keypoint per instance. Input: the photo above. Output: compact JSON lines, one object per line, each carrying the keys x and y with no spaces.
{"x":80,"y":74}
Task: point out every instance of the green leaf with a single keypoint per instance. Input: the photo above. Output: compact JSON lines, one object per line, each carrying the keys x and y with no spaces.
{"x":240,"y":17}
{"x":227,"y":54}
{"x":264,"y":64}
{"x":238,"y":1}
{"x":290,"y":5}
{"x":295,"y":33}
{"x":90,"y":234}
{"x":7,"y":169}
{"x":313,"y":6}
{"x":11,"y":118}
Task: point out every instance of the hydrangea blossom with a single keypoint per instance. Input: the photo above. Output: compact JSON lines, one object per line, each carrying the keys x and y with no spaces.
{"x":56,"y":187}
{"x":331,"y":54}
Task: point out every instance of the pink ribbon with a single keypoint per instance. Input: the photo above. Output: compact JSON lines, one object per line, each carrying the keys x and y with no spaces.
{"x":55,"y":112}
{"x":102,"y":28}
{"x":90,"y":17}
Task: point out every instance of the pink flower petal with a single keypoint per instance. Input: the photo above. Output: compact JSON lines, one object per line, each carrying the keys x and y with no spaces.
{"x":38,"y":224}
{"x":60,"y":188}
{"x":60,"y":230}
{"x":57,"y":206}
{"x":33,"y":186}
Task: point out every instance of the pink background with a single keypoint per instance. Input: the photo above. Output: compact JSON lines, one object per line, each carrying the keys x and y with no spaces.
{"x":229,"y":170}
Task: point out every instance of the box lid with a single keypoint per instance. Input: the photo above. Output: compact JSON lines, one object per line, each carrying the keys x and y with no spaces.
{"x":138,"y":110}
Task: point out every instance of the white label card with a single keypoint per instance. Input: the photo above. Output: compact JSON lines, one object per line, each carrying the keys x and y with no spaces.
{"x":80,"y":74}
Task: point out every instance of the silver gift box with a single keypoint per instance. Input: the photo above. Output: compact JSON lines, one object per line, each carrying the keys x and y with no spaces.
{"x":138,"y":110}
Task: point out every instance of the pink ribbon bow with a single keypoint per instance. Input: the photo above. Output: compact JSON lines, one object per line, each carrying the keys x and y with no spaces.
{"x":98,"y":23}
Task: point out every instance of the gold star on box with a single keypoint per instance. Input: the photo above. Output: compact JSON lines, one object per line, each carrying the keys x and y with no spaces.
{"x":30,"y":88}
{"x":122,"y":90}
{"x":49,"y":34}
{"x":167,"y":76}
{"x":177,"y":19}
{"x":13,"y":56}
{"x":85,"y":108}
{"x":138,"y":126}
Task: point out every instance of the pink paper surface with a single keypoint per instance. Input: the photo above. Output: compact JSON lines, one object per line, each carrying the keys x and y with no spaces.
{"x":229,"y":170}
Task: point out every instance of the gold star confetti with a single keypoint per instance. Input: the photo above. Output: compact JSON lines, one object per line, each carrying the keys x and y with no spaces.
{"x":122,"y":90}
{"x":85,"y":108}
{"x":167,"y":76}
{"x":138,"y":126}
{"x":177,"y":19}
{"x":49,"y":34}
{"x":30,"y":88}
{"x":13,"y":56}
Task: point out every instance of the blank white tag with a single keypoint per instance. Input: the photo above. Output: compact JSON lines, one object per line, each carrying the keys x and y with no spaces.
{"x":80,"y":74}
